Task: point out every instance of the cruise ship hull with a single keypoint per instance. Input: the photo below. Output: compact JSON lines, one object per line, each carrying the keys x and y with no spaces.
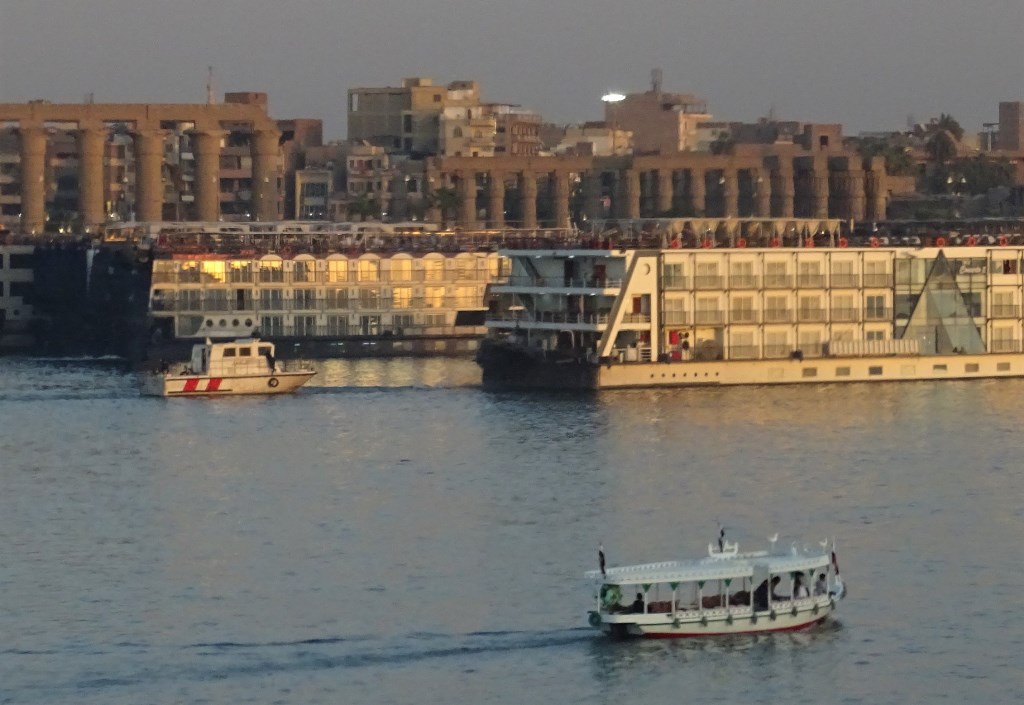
{"x":512,"y":370}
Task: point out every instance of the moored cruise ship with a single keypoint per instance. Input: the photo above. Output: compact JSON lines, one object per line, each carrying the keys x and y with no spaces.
{"x":660,"y":310}
{"x":326,"y":288}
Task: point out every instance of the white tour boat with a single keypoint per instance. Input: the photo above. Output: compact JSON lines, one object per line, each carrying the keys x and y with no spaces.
{"x":244,"y":366}
{"x":725,"y":592}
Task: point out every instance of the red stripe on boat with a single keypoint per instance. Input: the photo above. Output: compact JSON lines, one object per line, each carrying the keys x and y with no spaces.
{"x":214,"y":384}
{"x":190,"y":385}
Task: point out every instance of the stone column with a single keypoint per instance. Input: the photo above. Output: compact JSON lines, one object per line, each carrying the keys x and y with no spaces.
{"x":783,"y":189}
{"x":91,"y":147}
{"x":730,"y":192}
{"x":664,"y":192}
{"x":206,"y":147}
{"x":528,"y":198}
{"x":855,"y":194}
{"x":698,"y":192}
{"x":876,"y":188}
{"x":466,"y":188}
{"x":149,"y":185}
{"x":762,"y":194}
{"x":632,"y":193}
{"x":496,"y":199}
{"x":819,"y":188}
{"x":592,"y":195}
{"x":265,"y":148}
{"x":432,"y":181}
{"x":33,"y":179}
{"x":561,"y":198}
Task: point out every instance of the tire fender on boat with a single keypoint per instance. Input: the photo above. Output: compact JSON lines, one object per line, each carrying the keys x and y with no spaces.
{"x":273,"y":382}
{"x":594,"y":619}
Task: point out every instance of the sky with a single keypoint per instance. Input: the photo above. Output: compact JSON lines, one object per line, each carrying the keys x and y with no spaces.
{"x":868,"y":64}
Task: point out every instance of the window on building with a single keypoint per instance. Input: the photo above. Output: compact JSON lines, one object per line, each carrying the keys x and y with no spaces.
{"x":874,"y":308}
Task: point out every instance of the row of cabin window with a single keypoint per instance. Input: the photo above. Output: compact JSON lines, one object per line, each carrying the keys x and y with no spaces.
{"x":246,"y":352}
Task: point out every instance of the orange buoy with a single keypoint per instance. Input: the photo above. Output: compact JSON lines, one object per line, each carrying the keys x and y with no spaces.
{"x":742,"y":242}
{"x":972,"y":241}
{"x":874,"y":242}
{"x":940,"y":242}
{"x":776,"y":243}
{"x":809,"y":242}
{"x":1003,"y":241}
{"x":843,"y":242}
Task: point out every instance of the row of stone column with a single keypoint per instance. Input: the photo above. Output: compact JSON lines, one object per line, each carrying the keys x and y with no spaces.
{"x":849,"y":193}
{"x":149,"y":185}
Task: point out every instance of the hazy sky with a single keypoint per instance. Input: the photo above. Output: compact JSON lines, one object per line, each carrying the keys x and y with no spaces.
{"x":865,"y":63}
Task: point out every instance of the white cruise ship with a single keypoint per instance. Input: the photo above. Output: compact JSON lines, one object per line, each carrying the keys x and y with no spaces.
{"x":417,"y":292}
{"x":655,"y":311}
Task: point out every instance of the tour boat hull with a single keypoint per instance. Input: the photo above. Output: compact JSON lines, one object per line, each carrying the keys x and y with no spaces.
{"x":162,"y":385}
{"x":809,"y":613}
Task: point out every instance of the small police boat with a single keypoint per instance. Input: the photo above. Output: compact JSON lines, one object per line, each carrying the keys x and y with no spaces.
{"x":724,"y":592}
{"x":243,"y":366}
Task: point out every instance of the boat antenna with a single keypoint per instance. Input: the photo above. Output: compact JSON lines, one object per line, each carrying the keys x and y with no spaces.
{"x":600,"y":558}
{"x":721,"y":537}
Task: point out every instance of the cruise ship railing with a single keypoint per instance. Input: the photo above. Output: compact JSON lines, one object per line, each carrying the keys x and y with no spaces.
{"x":1002,"y":311}
{"x":742,"y":352}
{"x":845,"y":315}
{"x":810,"y":315}
{"x":1005,"y":346}
{"x":708,"y":317}
{"x":810,"y":281}
{"x":708,"y":282}
{"x":877,"y":314}
{"x":676,"y":318}
{"x":845,"y":281}
{"x":878,"y":281}
{"x":566,"y":282}
{"x":778,"y":281}
{"x":778,"y":315}
{"x":744,"y":315}
{"x":548,"y":317}
{"x":636,"y":318}
{"x":671,"y":281}
{"x":744,"y":281}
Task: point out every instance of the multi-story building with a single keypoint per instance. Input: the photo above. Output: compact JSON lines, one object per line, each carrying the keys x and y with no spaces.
{"x":1011,"y":127}
{"x":661,"y":123}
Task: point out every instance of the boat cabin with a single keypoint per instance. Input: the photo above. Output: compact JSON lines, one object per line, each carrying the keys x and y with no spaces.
{"x":245,"y":356}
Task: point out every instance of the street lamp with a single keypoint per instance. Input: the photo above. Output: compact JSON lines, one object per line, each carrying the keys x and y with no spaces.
{"x":611,"y":99}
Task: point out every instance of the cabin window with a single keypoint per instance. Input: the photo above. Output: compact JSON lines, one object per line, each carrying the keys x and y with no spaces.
{"x":264,"y":350}
{"x":971,"y":367}
{"x":229,"y":352}
{"x":810,"y":372}
{"x":938,"y":368}
{"x":842,"y":372}
{"x":244,"y":352}
{"x":1002,"y":367}
{"x":875,"y":370}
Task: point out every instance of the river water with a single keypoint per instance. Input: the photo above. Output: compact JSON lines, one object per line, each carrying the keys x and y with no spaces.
{"x":396,"y":534}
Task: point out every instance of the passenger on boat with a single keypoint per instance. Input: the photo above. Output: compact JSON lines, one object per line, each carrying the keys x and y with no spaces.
{"x":270,"y":360}
{"x":638,"y":604}
{"x":799,"y":589}
{"x":821,"y":585}
{"x":761,"y":593}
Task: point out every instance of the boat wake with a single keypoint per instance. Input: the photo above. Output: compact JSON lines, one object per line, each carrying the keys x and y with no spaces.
{"x":226,"y":660}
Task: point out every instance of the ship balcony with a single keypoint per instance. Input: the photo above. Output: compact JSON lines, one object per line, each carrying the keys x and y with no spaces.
{"x":675,"y":318}
{"x":877,"y":314}
{"x":845,"y":315}
{"x":588,"y":284}
{"x":743,"y":352}
{"x":744,"y":315}
{"x":670,"y":281}
{"x":778,"y":281}
{"x":810,"y":281}
{"x":777,"y":351}
{"x":845,"y":281}
{"x":810,"y":315}
{"x":878,"y":281}
{"x":744,"y":281}
{"x":778,"y":315}
{"x":1005,"y":311}
{"x":708,"y":282}
{"x":708,"y":318}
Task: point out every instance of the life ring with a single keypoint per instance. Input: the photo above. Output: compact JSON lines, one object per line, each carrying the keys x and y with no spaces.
{"x":809,"y":242}
{"x":843,"y":242}
{"x":594,"y":619}
{"x":741,"y":243}
{"x":775,"y":242}
{"x":940,"y":242}
{"x":273,"y":382}
{"x":971,"y":241}
{"x":874,"y":241}
{"x":707,"y":244}
{"x":610,"y":595}
{"x":793,"y":611}
{"x":1003,"y":241}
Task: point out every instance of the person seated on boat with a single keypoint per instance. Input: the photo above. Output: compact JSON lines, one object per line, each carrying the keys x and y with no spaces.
{"x":740,"y":598}
{"x":761,"y":593}
{"x":821,"y":585}
{"x":638,"y":604}
{"x":800,"y":590}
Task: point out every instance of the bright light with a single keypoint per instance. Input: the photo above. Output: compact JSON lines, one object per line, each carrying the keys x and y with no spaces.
{"x":613,"y":97}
